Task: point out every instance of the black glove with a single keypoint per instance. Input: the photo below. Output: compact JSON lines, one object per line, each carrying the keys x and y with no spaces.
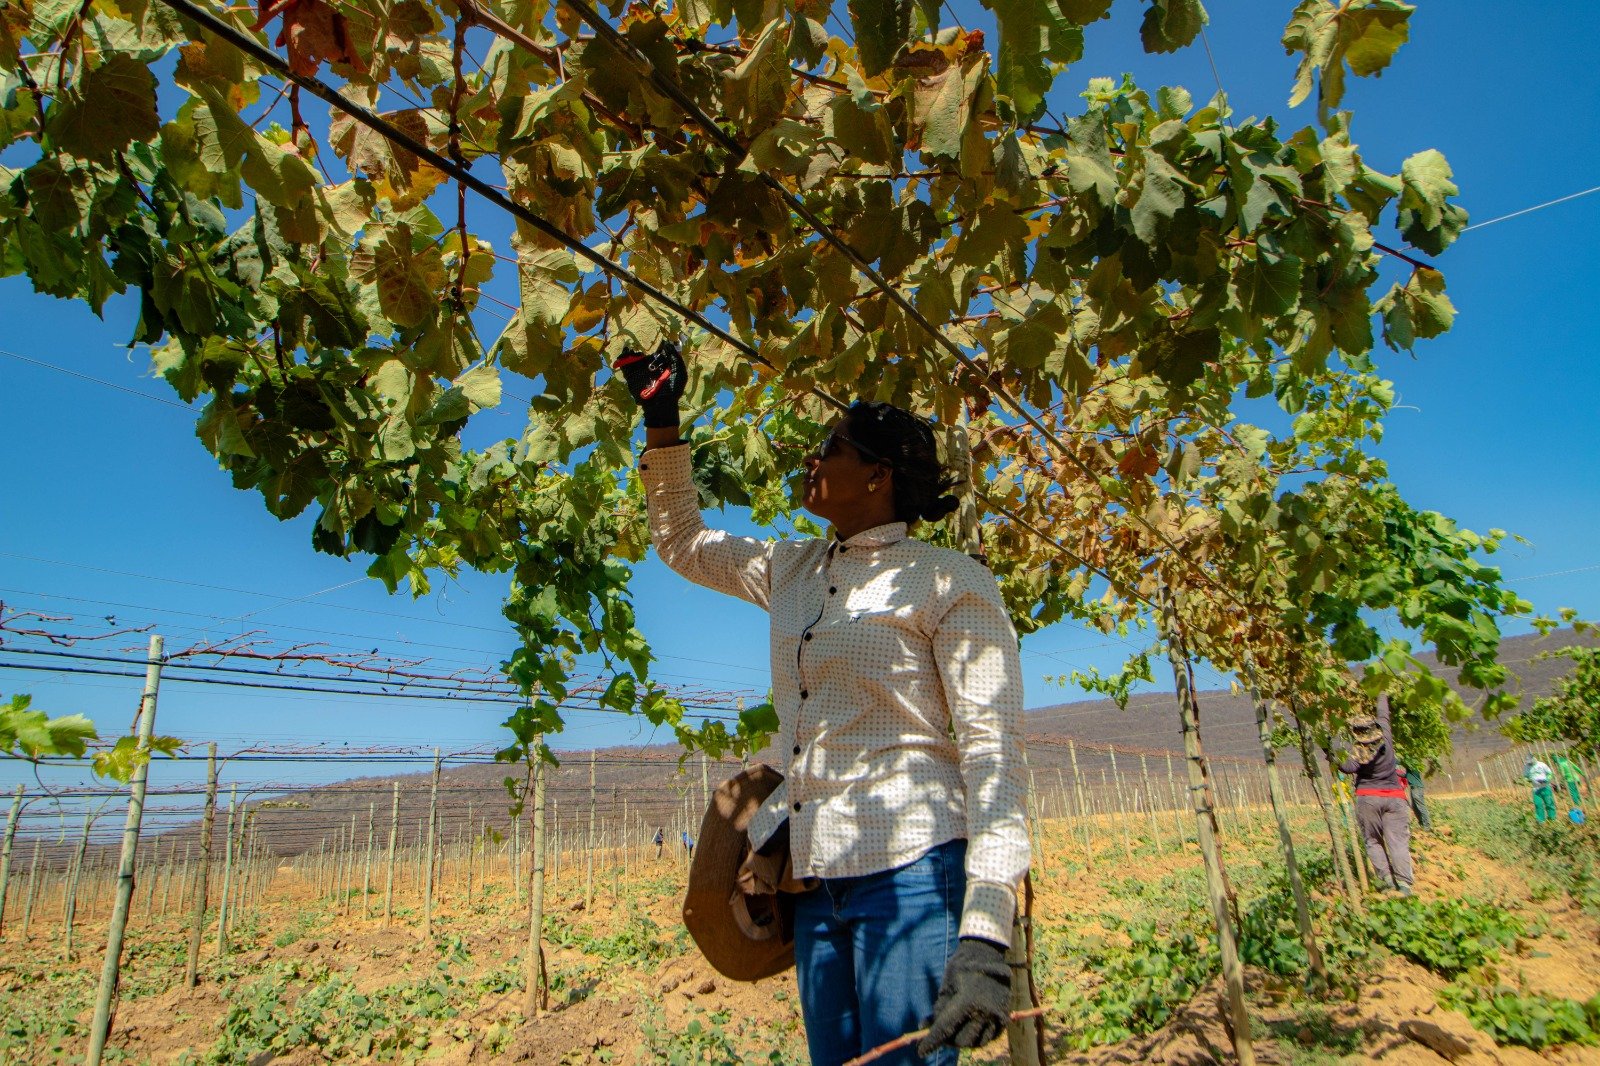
{"x":975,"y":1003}
{"x":656,"y":382}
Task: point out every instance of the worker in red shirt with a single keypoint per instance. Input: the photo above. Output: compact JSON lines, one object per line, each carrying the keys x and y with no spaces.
{"x":1382,"y":809}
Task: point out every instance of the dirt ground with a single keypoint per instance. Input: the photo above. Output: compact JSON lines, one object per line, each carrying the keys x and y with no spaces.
{"x":609,"y":1003}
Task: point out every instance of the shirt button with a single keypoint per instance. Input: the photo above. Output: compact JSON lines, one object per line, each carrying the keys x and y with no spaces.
{"x":832,"y":589}
{"x":797,"y":749}
{"x":797,"y":806}
{"x":843,"y":548}
{"x":804,"y":693}
{"x":808,"y":636}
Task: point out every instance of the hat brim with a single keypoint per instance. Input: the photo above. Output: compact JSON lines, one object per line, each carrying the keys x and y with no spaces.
{"x":743,"y":938}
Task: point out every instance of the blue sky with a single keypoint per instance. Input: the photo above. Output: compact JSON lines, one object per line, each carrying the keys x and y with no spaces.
{"x":111,"y":507}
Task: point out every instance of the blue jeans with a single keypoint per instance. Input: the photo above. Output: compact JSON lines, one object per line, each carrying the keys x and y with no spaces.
{"x":870,"y":953}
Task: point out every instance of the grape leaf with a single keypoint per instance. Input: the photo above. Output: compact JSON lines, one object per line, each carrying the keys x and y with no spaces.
{"x":111,"y":107}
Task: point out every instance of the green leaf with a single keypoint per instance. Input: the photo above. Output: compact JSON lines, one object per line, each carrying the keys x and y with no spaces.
{"x":621,"y":694}
{"x":1171,"y":24}
{"x":1373,"y":33}
{"x":397,"y":174}
{"x":1084,"y":12}
{"x":861,"y":129}
{"x":1416,"y":311}
{"x":758,"y":88}
{"x":939,"y":104}
{"x":1427,"y":219}
{"x":1268,"y":285}
{"x":111,"y":107}
{"x":1089,"y":164}
{"x":881,"y":27}
{"x":1034,"y":37}
{"x":225,"y":141}
{"x":126,"y":756}
{"x":407,"y":281}
{"x":36,"y":735}
{"x":1161,"y":196}
{"x":481,"y":387}
{"x":1361,"y":34}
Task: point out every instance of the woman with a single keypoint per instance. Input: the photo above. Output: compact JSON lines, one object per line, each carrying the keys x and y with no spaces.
{"x":1381,"y":808}
{"x":896,"y":678}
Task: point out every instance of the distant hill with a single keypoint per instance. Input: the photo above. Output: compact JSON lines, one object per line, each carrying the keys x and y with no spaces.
{"x":650,"y":786}
{"x":1227,"y":721}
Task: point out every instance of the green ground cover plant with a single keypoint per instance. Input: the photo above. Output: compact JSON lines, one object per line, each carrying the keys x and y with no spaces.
{"x":1557,"y":854}
{"x":1448,"y":936}
{"x":1528,"y":1020}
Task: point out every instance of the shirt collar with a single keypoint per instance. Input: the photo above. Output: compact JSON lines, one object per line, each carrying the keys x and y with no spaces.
{"x":876,"y":537}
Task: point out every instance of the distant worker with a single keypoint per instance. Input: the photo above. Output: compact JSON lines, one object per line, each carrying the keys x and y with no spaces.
{"x":1381,"y":808}
{"x":660,"y":841}
{"x":1411,"y":777}
{"x":1537,"y":773}
{"x":688,"y":842}
{"x":1571,"y":775}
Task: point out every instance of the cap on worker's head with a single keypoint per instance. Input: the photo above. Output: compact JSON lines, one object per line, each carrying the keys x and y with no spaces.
{"x":744,"y":937}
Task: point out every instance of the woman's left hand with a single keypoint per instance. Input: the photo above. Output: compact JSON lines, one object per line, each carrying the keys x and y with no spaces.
{"x":975,"y":1002}
{"x":655,"y":382}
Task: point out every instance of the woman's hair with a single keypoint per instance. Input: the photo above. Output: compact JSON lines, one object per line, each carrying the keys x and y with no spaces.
{"x":905,"y":443}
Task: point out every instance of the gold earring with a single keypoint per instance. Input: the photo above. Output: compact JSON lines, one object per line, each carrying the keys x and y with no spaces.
{"x":872,"y":486}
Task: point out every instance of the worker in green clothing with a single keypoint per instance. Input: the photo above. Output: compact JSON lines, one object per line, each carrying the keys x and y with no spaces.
{"x":1537,"y":773}
{"x":1569,"y":774}
{"x":1415,"y":794}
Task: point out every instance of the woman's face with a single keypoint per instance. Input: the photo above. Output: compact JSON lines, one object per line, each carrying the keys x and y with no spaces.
{"x":843,"y":479}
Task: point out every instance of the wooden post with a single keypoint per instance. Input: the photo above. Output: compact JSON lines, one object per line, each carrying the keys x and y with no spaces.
{"x":535,"y":986}
{"x":1083,"y":807}
{"x":5,"y":857}
{"x":348,"y":887}
{"x":1122,"y":808}
{"x":33,"y":881}
{"x":366,"y":868}
{"x":588,"y":877}
{"x":433,"y":820}
{"x":152,"y":876}
{"x":227,"y":877}
{"x":394,"y":834}
{"x":1280,"y":813}
{"x":616,"y":865}
{"x":197,"y":906}
{"x":1349,"y":813}
{"x":70,"y":902}
{"x":1321,"y":783}
{"x":1205,"y":819}
{"x":1177,"y":808}
{"x":515,"y":862}
{"x":166,"y":876}
{"x":1150,"y":800}
{"x":1036,"y":821}
{"x":100,"y":1025}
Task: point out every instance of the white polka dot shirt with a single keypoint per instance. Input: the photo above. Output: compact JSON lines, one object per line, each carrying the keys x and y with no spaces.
{"x":898,"y":687}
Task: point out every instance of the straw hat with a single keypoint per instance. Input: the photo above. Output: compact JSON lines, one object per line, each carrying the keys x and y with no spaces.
{"x":1368,"y":736}
{"x":744,"y":937}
